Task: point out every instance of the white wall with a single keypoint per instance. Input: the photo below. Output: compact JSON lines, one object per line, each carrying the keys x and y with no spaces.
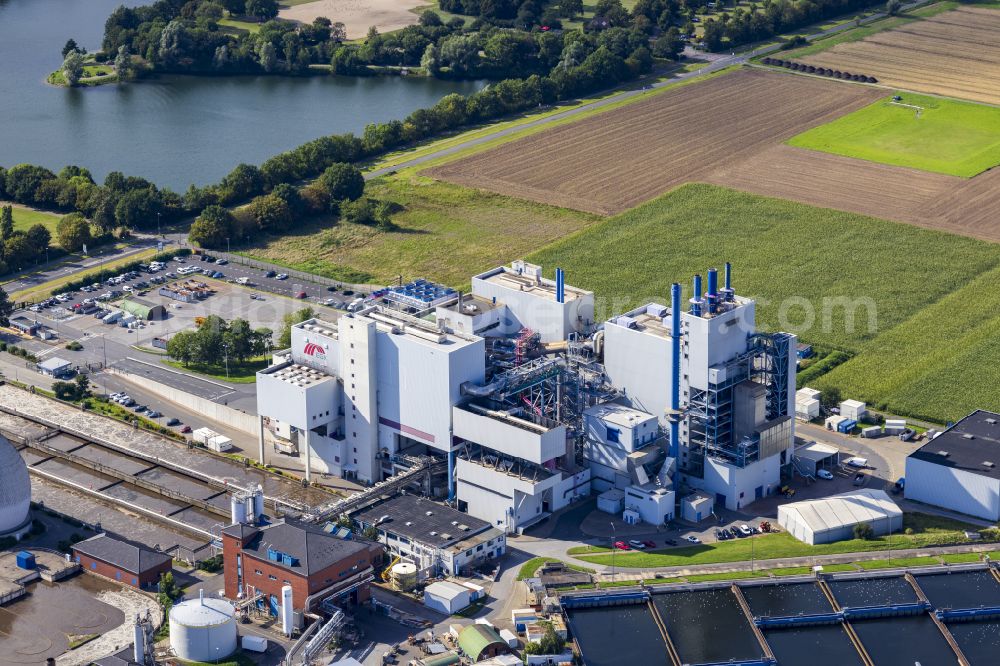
{"x":358,"y":359}
{"x":730,"y":480}
{"x":953,"y":489}
{"x":639,"y":364}
{"x":510,"y":439}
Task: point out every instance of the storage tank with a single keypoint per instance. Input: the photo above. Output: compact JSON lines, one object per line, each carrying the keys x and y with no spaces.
{"x":404,"y":576}
{"x":203,"y":629}
{"x":15,"y":489}
{"x":238,"y":509}
{"x":258,"y":502}
{"x":287,"y":612}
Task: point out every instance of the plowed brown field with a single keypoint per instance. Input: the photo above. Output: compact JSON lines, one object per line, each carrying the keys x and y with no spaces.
{"x":956,"y":54}
{"x":613,"y":161}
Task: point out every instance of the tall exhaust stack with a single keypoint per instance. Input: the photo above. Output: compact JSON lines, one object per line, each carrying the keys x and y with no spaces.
{"x":675,"y":369}
{"x":728,"y":295}
{"x":696,"y":299}
{"x":560,"y":286}
{"x":713,"y":290}
{"x":138,"y":642}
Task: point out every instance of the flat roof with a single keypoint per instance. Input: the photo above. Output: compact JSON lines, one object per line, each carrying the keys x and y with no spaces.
{"x":968,"y":445}
{"x":54,"y":363}
{"x":473,"y":305}
{"x":815,"y":451}
{"x":508,"y":278}
{"x":621,"y":415}
{"x":298,"y":375}
{"x":408,"y":517}
{"x":647,"y":318}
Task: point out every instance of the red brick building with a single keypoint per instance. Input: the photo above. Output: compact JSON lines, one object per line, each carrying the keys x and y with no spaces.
{"x":126,"y":562}
{"x":316,"y":564}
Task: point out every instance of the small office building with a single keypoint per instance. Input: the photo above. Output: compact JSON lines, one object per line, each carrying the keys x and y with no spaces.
{"x":124,"y":561}
{"x":56,"y":367}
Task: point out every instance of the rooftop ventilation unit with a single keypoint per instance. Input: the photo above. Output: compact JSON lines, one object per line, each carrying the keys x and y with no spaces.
{"x":445,"y":536}
{"x":943,"y":454}
{"x":454,"y":522}
{"x":429,"y":513}
{"x":991,"y":421}
{"x":409,"y":523}
{"x":987,"y":463}
{"x":968,"y":436}
{"x":434,"y":533}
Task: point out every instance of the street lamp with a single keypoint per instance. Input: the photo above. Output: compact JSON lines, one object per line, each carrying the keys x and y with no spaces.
{"x":158,"y":224}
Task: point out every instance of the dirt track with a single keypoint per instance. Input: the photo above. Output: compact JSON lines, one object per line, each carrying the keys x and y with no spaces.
{"x":956,"y":53}
{"x":610,"y":162}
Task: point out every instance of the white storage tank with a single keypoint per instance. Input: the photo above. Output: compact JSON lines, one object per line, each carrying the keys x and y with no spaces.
{"x":287,"y":611}
{"x":404,"y":576}
{"x":15,"y":489}
{"x":237,"y":510}
{"x":203,"y":629}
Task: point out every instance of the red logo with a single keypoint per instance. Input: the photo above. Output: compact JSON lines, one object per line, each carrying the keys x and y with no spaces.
{"x":313,"y":349}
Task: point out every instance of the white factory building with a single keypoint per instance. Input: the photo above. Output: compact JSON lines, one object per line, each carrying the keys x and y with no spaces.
{"x":833,"y":518}
{"x":957,"y":470}
{"x":532,"y":403}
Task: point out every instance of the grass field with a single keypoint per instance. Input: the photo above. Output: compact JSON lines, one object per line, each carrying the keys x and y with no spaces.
{"x":918,"y":346}
{"x":445,"y":232}
{"x":928,"y":530}
{"x":940,"y":135}
{"x":26,"y":217}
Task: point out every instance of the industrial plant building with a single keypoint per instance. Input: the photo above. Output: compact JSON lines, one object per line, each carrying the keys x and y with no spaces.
{"x":957,"y":470}
{"x":124,"y":561}
{"x":260,"y":560}
{"x":438,"y":539}
{"x":833,"y":518}
{"x":532,"y":404}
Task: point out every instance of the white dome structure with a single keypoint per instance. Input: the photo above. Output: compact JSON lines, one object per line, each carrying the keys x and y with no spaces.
{"x":15,"y":489}
{"x":203,"y":629}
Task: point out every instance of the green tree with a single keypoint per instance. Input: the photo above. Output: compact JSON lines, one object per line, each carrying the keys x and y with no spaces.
{"x":570,"y":8}
{"x":243,"y":182}
{"x":38,"y":237}
{"x":72,"y":68}
{"x":669,"y":45}
{"x":123,"y":64}
{"x":429,"y":61}
{"x":181,"y":347}
{"x":212,"y":227}
{"x":73,"y":232}
{"x":238,"y":339}
{"x":864,"y":531}
{"x":267,"y":56}
{"x":289,"y":320}
{"x":6,"y":308}
{"x":67,"y":391}
{"x":343,"y":181}
{"x":360,"y":211}
{"x":270,"y":213}
{"x":262,"y":10}
{"x":70,"y":47}
{"x":82,"y":386}
{"x":6,"y":222}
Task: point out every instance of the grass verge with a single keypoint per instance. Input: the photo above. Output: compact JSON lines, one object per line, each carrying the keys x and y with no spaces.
{"x":531,"y":567}
{"x":927,"y":531}
{"x":238,"y":373}
{"x":921,"y":132}
{"x":27,"y":217}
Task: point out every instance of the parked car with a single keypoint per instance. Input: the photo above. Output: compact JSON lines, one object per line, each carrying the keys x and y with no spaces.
{"x":635,"y":543}
{"x":173,"y":421}
{"x":649,"y":543}
{"x":153,"y":414}
{"x":907,"y":435}
{"x":270,"y":274}
{"x":859,"y":479}
{"x":744,"y":530}
{"x":281,"y":276}
{"x":824,"y":474}
{"x":186,"y":429}
{"x":300,"y":294}
{"x":721,"y":535}
{"x":332,"y":289}
{"x":221,"y":262}
{"x":690,"y":538}
{"x":670,"y":542}
{"x":139,"y":408}
{"x":621,"y":545}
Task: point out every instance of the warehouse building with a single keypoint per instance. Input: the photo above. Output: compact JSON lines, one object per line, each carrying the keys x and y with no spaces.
{"x":833,"y":518}
{"x":957,"y":470}
{"x":438,"y":539}
{"x":126,"y":562}
{"x":143,"y":309}
{"x":317,"y":565}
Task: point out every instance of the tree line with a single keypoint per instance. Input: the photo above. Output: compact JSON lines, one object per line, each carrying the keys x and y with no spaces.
{"x":20,"y":248}
{"x":215,"y":339}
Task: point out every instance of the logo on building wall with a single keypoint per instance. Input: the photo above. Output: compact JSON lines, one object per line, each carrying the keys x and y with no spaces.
{"x":315,"y":350}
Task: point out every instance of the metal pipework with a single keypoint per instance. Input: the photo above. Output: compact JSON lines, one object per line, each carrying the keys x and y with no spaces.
{"x":729,"y":275}
{"x":713,"y":289}
{"x":675,"y":369}
{"x":696,"y":299}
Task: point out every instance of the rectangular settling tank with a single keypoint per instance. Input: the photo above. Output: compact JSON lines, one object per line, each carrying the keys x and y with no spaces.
{"x":618,"y":635}
{"x":707,"y":626}
{"x":980,"y":641}
{"x":821,"y":645}
{"x":873,"y":592}
{"x":904,"y":641}
{"x":786,"y":600}
{"x":962,"y":589}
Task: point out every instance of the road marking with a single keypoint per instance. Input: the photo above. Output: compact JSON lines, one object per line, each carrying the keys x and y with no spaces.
{"x":179,"y":373}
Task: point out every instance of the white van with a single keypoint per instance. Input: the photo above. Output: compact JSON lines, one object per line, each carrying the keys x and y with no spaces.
{"x":857,"y":462}
{"x":355,"y":305}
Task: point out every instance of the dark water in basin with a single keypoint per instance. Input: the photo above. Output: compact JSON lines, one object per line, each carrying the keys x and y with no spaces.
{"x":969,"y":589}
{"x":782,"y":600}
{"x":173,"y":130}
{"x":903,"y":641}
{"x":707,"y":626}
{"x":873,"y":592}
{"x":618,"y":635}
{"x":824,"y":645}
{"x":980,"y":641}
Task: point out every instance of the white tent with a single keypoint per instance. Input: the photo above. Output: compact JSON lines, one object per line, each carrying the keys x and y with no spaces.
{"x":833,"y":518}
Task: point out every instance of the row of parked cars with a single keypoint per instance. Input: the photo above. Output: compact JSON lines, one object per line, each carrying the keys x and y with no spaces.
{"x":125,"y":400}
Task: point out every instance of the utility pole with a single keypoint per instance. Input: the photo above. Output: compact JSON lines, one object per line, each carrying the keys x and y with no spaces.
{"x":158,"y":225}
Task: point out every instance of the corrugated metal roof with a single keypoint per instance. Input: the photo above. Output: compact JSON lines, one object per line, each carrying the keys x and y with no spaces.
{"x":477,"y":637}
{"x":846,"y":509}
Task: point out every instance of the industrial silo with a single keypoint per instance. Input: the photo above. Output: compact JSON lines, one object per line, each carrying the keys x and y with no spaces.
{"x":203,"y":629}
{"x":15,"y":490}
{"x":404,"y":576}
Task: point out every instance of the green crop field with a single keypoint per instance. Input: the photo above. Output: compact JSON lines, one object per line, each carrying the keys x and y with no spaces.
{"x":920,"y":309}
{"x":928,"y":133}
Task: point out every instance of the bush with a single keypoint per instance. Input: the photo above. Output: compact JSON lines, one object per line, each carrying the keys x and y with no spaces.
{"x":74,"y":345}
{"x":865,"y":531}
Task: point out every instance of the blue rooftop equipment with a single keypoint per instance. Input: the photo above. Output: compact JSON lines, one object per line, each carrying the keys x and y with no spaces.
{"x":26,"y":560}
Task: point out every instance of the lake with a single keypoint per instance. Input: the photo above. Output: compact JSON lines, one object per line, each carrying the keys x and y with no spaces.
{"x":173,"y":130}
